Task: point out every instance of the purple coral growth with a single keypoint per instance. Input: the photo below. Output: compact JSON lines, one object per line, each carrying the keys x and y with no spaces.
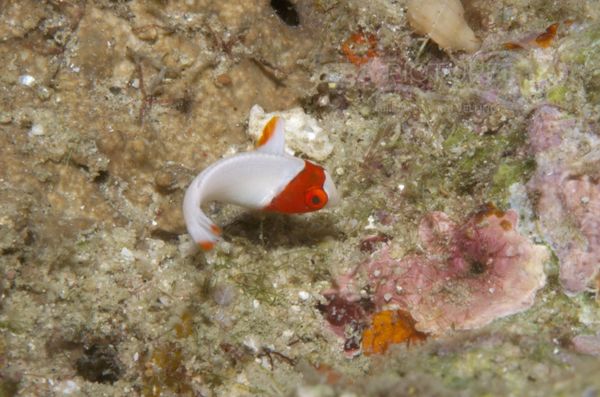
{"x":470,"y":274}
{"x":347,"y":315}
{"x":567,"y":195}
{"x":587,"y":344}
{"x":547,"y":128}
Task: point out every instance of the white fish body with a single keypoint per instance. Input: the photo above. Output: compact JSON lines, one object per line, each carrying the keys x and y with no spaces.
{"x":260,"y":179}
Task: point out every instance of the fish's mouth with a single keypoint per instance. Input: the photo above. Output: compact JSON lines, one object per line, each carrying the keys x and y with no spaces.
{"x":333,"y":197}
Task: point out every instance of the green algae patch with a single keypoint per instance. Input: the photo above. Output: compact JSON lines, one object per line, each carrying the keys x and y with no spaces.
{"x":511,"y":172}
{"x":558,"y":95}
{"x":580,"y":52}
{"x":456,"y":140}
{"x":257,"y":285}
{"x":582,"y":47}
{"x":473,"y":161}
{"x":8,"y":388}
{"x":459,"y":165}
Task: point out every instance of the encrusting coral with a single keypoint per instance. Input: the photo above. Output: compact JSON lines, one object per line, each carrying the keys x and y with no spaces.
{"x":389,"y":327}
{"x":567,"y":194}
{"x":470,"y":274}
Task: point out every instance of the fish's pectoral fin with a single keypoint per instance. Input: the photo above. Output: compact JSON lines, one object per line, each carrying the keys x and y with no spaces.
{"x":272,"y":139}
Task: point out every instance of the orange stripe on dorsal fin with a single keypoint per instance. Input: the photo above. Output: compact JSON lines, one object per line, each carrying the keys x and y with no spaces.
{"x":272,"y":139}
{"x":215,"y":229}
{"x":268,"y":131}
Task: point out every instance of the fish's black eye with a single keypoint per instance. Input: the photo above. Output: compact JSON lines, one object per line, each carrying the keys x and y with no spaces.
{"x":315,"y":198}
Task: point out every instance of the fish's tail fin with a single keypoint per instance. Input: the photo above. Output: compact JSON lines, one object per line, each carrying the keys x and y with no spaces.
{"x":204,"y":232}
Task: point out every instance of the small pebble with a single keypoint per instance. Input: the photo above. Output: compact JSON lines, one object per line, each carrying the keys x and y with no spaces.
{"x":5,"y":118}
{"x":224,"y":79}
{"x":149,"y":33}
{"x":27,"y":80}
{"x":43,"y":93}
{"x":127,"y":254}
{"x":36,"y":130}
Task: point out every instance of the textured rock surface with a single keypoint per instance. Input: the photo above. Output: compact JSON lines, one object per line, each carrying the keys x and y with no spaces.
{"x":568,"y":194}
{"x":109,"y":108}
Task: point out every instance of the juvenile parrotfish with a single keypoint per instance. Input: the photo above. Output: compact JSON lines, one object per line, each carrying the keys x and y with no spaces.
{"x":266,"y":179}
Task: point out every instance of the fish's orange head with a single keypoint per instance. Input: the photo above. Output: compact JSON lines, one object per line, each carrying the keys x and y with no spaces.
{"x":310,"y":190}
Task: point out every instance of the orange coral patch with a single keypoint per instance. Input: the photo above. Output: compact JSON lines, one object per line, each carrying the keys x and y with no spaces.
{"x":506,"y":225}
{"x":387,"y":328}
{"x":488,"y":210}
{"x":360,"y":47}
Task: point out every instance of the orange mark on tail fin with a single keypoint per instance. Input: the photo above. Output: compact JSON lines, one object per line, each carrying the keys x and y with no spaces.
{"x":268,"y":132}
{"x":390,"y":327}
{"x":206,"y":245}
{"x":215,"y":229}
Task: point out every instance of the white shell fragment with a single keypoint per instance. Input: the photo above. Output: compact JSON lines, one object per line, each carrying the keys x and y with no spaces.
{"x":26,"y":80}
{"x":302,"y":132}
{"x":444,"y":22}
{"x":36,"y":130}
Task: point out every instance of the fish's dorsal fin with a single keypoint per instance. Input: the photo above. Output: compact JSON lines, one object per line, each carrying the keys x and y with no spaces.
{"x":272,"y":139}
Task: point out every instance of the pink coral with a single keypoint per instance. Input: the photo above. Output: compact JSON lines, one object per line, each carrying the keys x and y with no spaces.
{"x":567,"y":196}
{"x":587,"y":344}
{"x":395,"y":74}
{"x":469,"y":276}
{"x":547,"y":128}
